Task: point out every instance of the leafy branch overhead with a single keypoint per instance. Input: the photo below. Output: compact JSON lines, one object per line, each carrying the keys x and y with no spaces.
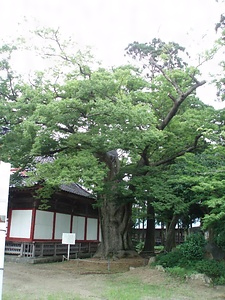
{"x":103,"y":110}
{"x":165,"y":66}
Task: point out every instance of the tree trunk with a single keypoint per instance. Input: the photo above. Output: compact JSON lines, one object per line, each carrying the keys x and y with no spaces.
{"x":162,"y":234}
{"x":149,"y":247}
{"x":170,"y":238}
{"x":115,"y":214}
{"x":116,"y":230}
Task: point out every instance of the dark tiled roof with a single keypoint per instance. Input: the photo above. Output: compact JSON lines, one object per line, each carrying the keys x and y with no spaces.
{"x":75,"y":188}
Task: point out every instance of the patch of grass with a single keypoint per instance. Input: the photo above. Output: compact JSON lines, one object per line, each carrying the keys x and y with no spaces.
{"x":136,"y":290}
{"x":180,"y":272}
{"x":63,"y":296}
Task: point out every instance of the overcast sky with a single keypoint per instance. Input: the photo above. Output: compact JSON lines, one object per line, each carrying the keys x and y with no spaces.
{"x":110,"y":25}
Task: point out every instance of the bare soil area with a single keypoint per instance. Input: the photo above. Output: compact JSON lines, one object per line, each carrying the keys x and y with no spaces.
{"x":90,"y":279}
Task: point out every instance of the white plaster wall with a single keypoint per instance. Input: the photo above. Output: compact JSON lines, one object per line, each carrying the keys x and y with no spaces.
{"x":43,"y":225}
{"x":62,"y":225}
{"x":20,"y":224}
{"x":78,"y":227}
{"x":92,"y":227}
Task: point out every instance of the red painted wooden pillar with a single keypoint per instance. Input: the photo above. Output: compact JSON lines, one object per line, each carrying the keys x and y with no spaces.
{"x":85,"y":229}
{"x":98,"y":230}
{"x":53,"y":227}
{"x":32,"y":227}
{"x":71,"y":223}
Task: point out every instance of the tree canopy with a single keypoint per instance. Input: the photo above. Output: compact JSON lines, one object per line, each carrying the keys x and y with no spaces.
{"x":116,"y":131}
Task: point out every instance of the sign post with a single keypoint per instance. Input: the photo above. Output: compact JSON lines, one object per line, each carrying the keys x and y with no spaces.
{"x":4,"y":194}
{"x":69,"y":239}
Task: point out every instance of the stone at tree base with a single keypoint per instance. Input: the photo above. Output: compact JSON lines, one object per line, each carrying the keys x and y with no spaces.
{"x":202,"y":277}
{"x":160,"y":268}
{"x":151,"y":260}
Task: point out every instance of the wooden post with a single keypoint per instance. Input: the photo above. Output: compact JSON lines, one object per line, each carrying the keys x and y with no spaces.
{"x":68,"y":252}
{"x":33,"y":250}
{"x":42,"y":250}
{"x":21,"y":249}
{"x":55,"y":249}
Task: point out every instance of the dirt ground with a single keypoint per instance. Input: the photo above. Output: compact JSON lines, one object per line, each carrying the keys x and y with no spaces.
{"x":88,"y":278}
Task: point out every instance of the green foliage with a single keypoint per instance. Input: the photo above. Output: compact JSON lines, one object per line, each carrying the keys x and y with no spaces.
{"x":213,"y":269}
{"x":139,"y":246}
{"x":183,"y":256}
{"x":219,"y":237}
{"x":189,"y":258}
{"x":169,"y":260}
{"x":200,"y":179}
{"x":209,"y":187}
{"x":77,"y":112}
{"x":159,"y":248}
{"x":179,"y":272}
{"x":193,"y":248}
{"x":165,"y":54}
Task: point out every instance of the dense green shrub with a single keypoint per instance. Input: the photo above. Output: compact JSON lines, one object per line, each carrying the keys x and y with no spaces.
{"x":169,"y":260}
{"x":189,"y":257}
{"x":194,"y":248}
{"x":191,"y":250}
{"x":212,"y":268}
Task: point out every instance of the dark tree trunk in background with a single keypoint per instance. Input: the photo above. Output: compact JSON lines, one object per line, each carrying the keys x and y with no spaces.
{"x":171,"y":231}
{"x":149,"y":247}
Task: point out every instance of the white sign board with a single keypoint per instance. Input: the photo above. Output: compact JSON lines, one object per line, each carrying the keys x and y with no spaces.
{"x":68,"y":238}
{"x":4,"y":194}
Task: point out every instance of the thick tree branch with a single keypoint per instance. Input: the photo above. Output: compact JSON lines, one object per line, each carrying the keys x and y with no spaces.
{"x":83,"y":71}
{"x":193,"y":78}
{"x":173,"y":82}
{"x":180,"y":153}
{"x":144,"y":157}
{"x":9,"y":76}
{"x":177,"y":103}
{"x":51,"y":152}
{"x":172,"y":98}
{"x":111,"y":159}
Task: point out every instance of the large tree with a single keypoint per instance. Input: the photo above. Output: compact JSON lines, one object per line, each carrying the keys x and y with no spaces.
{"x":181,"y":117}
{"x":89,"y":123}
{"x":102,"y":128}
